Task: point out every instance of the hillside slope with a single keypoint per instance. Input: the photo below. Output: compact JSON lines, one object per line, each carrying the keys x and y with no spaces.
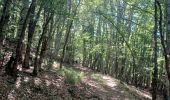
{"x":50,"y":85}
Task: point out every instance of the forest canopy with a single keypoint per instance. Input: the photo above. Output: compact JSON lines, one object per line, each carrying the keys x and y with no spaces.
{"x":126,"y":39}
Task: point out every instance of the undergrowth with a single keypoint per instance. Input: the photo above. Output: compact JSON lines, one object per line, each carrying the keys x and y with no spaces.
{"x":97,"y":77}
{"x":70,"y":75}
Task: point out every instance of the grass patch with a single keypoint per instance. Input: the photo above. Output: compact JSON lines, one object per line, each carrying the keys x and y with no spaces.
{"x":97,"y":77}
{"x":133,"y":92}
{"x":70,"y":75}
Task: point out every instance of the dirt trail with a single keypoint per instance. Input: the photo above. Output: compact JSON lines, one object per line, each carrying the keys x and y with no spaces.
{"x":108,"y":88}
{"x":51,"y":86}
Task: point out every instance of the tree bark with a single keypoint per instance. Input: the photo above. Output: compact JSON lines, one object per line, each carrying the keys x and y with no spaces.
{"x":165,"y":44}
{"x":20,"y":40}
{"x":24,"y":10}
{"x":70,"y":23}
{"x":31,"y":30}
{"x":4,"y":18}
{"x":35,"y":71}
{"x":45,"y":43}
{"x":43,"y":49}
{"x":167,"y":53}
{"x":65,"y":43}
{"x":155,"y":72}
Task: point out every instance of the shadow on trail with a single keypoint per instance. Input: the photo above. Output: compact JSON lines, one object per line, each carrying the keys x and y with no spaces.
{"x":47,"y":86}
{"x":51,"y":86}
{"x":105,"y":87}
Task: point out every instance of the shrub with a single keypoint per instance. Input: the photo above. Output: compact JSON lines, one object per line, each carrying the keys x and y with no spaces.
{"x":71,"y":76}
{"x":97,"y":77}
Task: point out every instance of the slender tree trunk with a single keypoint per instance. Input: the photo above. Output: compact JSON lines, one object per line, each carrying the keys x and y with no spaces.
{"x":43,"y":49}
{"x":70,"y":23}
{"x":167,"y":52}
{"x":23,"y":14}
{"x":46,"y":23}
{"x":3,"y":23}
{"x":65,"y":43}
{"x":84,"y":52}
{"x":165,"y":44}
{"x":4,"y":18}
{"x":58,"y":37}
{"x":155,"y":73}
{"x":31,"y":31}
{"x":20,"y":40}
{"x":24,"y":10}
{"x":45,"y":43}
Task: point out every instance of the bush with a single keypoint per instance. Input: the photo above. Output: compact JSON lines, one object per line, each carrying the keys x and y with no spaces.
{"x":97,"y":77}
{"x":71,"y":76}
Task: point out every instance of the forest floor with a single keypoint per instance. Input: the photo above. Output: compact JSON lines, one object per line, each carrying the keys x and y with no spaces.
{"x":50,"y":85}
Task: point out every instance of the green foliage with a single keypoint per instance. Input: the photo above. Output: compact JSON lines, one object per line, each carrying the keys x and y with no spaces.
{"x":97,"y":77}
{"x":107,"y":35}
{"x":70,"y":75}
{"x":56,"y":6}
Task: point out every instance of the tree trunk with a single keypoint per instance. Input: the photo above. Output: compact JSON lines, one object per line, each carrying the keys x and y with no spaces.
{"x":155,"y":73}
{"x":43,"y":49}
{"x":165,"y":44}
{"x":84,"y":52}
{"x":8,"y":66}
{"x":58,"y":36}
{"x":65,"y":43}
{"x":31,"y":31}
{"x":20,"y":40}
{"x":4,"y":18}
{"x":35,"y":71}
{"x":24,"y":10}
{"x":45,"y":43}
{"x":167,"y":58}
{"x":70,"y":23}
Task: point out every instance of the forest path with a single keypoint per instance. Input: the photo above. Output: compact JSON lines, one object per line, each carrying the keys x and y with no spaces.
{"x":49,"y":85}
{"x":108,"y":88}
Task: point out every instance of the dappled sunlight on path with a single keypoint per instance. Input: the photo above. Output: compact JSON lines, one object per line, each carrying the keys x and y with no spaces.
{"x":107,"y":88}
{"x":110,"y":81}
{"x":49,"y":85}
